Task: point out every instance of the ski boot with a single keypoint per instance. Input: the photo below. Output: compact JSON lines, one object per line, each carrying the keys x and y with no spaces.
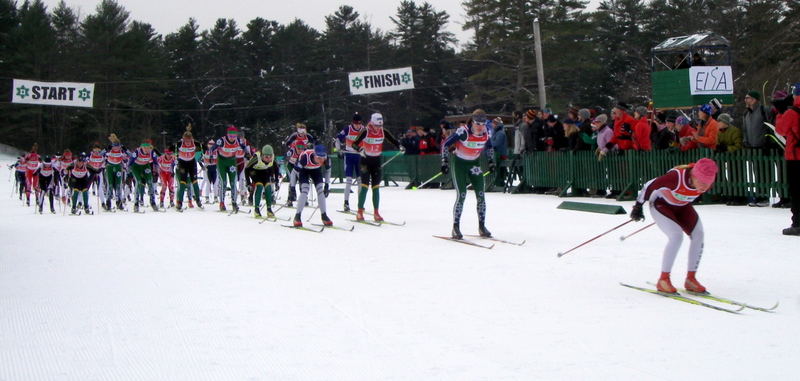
{"x":235,"y":207}
{"x":107,"y":205}
{"x":325,"y":220}
{"x":206,"y":200}
{"x":74,"y":210}
{"x":257,"y":213}
{"x":154,"y":206}
{"x":87,"y":209}
{"x":119,"y":205}
{"x":347,"y":206}
{"x":483,"y":231}
{"x":40,"y":209}
{"x":270,"y":214}
{"x":190,"y":203}
{"x":171,"y":204}
{"x":28,"y":201}
{"x":297,"y":221}
{"x":692,"y":284}
{"x":199,"y":204}
{"x":292,"y":195}
{"x":161,"y":205}
{"x":179,"y":206}
{"x":376,"y":216}
{"x":222,"y":206}
{"x":665,"y":285}
{"x":136,"y":207}
{"x":456,"y":234}
{"x":52,"y":210}
{"x":360,"y":214}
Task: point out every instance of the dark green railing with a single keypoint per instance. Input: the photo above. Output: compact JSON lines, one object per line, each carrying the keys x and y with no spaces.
{"x":743,"y":173}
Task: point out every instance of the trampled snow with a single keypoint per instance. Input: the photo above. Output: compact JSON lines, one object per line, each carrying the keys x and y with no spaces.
{"x":201,"y":295}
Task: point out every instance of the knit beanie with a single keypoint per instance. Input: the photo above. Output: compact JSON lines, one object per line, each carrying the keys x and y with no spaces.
{"x":530,"y":114}
{"x":725,"y":119}
{"x":376,"y":119}
{"x":705,"y":170}
{"x":320,"y":151}
{"x":584,"y":113}
{"x":716,"y":104}
{"x":642,"y":111}
{"x":267,"y":150}
{"x":602,"y":119}
{"x":754,"y":94}
{"x":780,"y":94}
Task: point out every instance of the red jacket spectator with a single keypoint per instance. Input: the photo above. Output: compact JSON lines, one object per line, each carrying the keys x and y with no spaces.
{"x":623,"y":129}
{"x":641,"y":135}
{"x":788,"y":125}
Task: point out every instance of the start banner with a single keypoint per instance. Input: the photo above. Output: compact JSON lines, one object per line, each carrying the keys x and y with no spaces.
{"x":381,"y":81}
{"x":53,"y":93}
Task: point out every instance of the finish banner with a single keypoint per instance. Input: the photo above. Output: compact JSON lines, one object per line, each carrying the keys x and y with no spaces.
{"x":381,"y":81}
{"x":53,"y":93}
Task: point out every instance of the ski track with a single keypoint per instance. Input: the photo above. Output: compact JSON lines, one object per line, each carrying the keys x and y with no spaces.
{"x":201,"y":296}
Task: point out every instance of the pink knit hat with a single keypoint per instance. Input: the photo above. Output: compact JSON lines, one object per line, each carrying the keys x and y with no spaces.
{"x":705,"y":170}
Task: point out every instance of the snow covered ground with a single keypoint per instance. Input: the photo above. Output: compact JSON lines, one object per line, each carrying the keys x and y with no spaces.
{"x":206,"y":296}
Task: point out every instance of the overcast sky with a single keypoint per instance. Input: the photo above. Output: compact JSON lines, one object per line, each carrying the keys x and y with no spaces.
{"x":166,"y":16}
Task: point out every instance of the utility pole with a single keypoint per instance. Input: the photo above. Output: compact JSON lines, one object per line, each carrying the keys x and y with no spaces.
{"x":537,"y":38}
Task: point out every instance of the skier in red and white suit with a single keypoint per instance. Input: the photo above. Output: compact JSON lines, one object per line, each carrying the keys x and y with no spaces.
{"x":31,"y":181}
{"x":671,"y":197}
{"x":166,"y":170}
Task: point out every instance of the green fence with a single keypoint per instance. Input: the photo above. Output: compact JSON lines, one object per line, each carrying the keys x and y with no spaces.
{"x":742,"y":173}
{"x":746,"y":173}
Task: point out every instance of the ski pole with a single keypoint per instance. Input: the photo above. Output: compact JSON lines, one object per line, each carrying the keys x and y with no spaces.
{"x":426,"y":182}
{"x":561,"y":254}
{"x":629,"y":235}
{"x":392,"y":158}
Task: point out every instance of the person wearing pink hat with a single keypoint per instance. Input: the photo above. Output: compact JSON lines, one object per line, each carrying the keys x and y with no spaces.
{"x":671,"y":197}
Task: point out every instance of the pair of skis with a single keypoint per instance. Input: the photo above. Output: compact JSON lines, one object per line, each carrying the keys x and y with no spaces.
{"x":473,"y":243}
{"x":371,"y":223}
{"x":682,"y":297}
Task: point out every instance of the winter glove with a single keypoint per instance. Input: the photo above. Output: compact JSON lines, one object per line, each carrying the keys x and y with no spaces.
{"x":445,"y":166}
{"x":625,"y":128}
{"x":492,"y":167}
{"x":403,"y":149}
{"x":326,"y":190}
{"x":601,"y":155}
{"x":362,"y":152}
{"x":340,"y":155}
{"x":722,"y":148}
{"x":637,"y":214}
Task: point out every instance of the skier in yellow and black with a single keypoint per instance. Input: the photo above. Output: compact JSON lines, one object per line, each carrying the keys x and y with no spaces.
{"x":263,"y":172}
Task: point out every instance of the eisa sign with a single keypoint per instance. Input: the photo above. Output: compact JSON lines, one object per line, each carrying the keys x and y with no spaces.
{"x":710,"y":80}
{"x":53,"y":93}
